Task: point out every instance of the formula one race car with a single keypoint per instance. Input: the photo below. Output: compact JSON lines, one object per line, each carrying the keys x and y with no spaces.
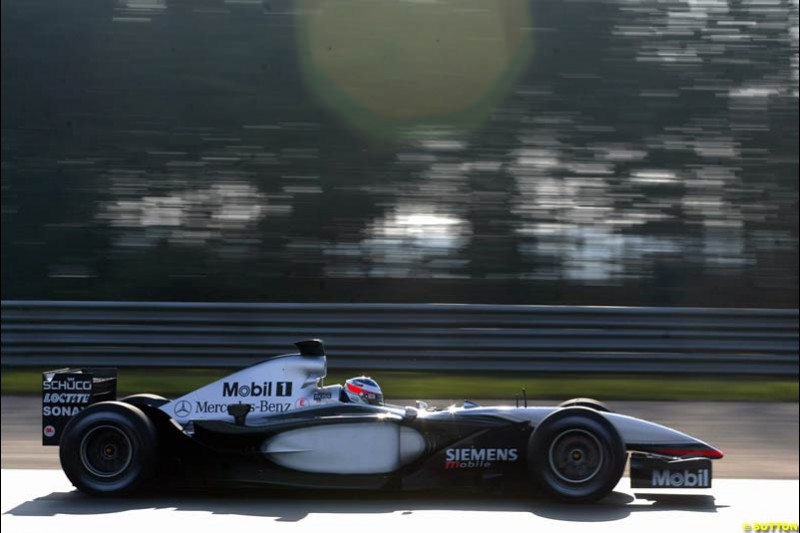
{"x":275,"y":423}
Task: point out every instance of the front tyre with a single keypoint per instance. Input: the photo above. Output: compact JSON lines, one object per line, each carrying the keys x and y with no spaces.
{"x":591,"y":403}
{"x":109,"y":448}
{"x":576,"y":455}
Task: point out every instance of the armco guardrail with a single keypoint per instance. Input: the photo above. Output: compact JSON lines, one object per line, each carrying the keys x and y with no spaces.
{"x":405,"y":336}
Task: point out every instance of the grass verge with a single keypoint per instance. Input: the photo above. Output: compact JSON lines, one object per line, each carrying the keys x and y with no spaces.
{"x":173,"y":382}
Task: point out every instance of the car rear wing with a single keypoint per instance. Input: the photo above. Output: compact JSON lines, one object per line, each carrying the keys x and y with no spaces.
{"x":67,"y":391}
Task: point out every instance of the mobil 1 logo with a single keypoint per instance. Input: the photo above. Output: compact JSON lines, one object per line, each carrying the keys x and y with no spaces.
{"x":63,"y":396}
{"x":677,"y":474}
{"x":252,"y":389}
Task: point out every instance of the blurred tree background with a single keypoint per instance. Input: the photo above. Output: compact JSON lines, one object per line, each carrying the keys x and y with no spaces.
{"x":543,"y":152}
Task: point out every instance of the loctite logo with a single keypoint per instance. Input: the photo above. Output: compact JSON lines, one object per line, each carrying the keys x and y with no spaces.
{"x":66,"y":397}
{"x":322,"y":395}
{"x":665,"y":478}
{"x":253,"y":389}
{"x":459,"y":458}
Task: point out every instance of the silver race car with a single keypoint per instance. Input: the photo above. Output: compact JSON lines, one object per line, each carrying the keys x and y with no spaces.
{"x":276,"y":423}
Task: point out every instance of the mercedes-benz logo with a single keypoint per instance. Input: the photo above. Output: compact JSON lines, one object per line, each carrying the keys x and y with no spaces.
{"x":183,"y":408}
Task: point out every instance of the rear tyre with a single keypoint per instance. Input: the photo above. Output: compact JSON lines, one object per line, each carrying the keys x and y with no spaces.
{"x":109,"y":448}
{"x":576,"y":455}
{"x":145,"y":400}
{"x":591,"y":403}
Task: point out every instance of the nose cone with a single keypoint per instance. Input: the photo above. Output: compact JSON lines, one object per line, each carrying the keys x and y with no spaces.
{"x":648,"y":437}
{"x":698,"y":449}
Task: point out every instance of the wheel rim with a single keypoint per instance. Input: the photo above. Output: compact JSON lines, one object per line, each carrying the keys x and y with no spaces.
{"x":576,"y":456}
{"x":106,"y":451}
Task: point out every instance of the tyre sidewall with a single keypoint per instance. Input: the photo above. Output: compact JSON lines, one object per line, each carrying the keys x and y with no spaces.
{"x":585,"y":419}
{"x":126,"y":418}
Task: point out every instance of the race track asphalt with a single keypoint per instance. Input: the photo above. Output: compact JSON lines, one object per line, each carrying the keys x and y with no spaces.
{"x":760,"y":440}
{"x":43,"y":500}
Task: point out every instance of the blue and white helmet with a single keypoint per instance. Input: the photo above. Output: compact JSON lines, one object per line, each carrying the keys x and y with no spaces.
{"x":363,"y":390}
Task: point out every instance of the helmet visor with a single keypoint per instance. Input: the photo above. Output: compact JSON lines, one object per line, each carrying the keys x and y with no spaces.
{"x":373,"y":398}
{"x":367,"y":396}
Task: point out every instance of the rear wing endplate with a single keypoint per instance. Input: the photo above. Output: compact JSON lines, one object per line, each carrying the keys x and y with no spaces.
{"x":67,"y":391}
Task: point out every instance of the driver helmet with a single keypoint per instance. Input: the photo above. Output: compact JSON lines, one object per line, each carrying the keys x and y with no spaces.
{"x":363,"y":390}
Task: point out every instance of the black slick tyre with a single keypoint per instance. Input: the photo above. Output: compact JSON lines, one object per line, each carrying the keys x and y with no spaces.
{"x":591,"y":403}
{"x":145,"y":400}
{"x":109,"y":448}
{"x":576,"y":455}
